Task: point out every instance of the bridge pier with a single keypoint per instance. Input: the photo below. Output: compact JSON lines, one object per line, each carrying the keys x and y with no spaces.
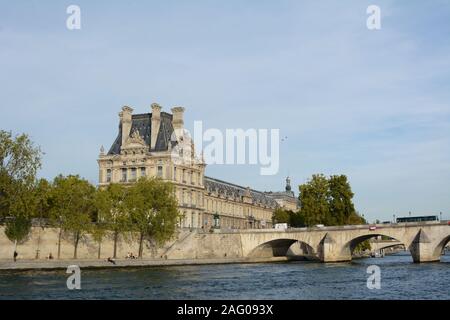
{"x":422,"y":249}
{"x":331,"y":251}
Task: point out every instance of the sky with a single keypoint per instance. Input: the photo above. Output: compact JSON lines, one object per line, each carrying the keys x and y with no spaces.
{"x":371,"y":104}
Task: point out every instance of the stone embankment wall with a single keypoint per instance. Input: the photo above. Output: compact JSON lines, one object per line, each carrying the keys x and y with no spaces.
{"x":42,"y":241}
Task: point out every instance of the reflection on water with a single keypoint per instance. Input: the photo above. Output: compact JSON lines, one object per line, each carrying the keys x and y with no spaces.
{"x":400,"y":279}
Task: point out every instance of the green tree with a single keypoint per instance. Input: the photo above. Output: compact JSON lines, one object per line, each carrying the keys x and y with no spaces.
{"x":280,"y":216}
{"x":42,"y":207}
{"x":342,"y":210}
{"x":19,"y":161}
{"x":17,"y":229}
{"x":153,"y":210}
{"x":328,"y":201}
{"x":314,"y":200}
{"x":98,"y":232}
{"x":102,"y":210}
{"x":296,"y":219}
{"x":73,"y":208}
{"x":112,"y":213}
{"x":43,"y":199}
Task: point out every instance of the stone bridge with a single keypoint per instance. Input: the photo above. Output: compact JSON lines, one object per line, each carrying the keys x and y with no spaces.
{"x":378,"y":245}
{"x":425,"y":240}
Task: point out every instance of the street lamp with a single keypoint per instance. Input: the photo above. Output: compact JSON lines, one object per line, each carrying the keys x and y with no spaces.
{"x":394,"y":219}
{"x":440,"y":216}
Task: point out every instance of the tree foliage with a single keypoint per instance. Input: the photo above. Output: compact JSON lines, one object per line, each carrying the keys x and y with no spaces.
{"x":153,"y":210}
{"x":280,"y":216}
{"x":111,"y":213}
{"x":19,"y":161}
{"x":73,"y":207}
{"x":17,"y":229}
{"x":328,"y":201}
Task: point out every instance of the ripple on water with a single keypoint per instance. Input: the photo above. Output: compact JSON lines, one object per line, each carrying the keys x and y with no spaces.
{"x":400,"y":279}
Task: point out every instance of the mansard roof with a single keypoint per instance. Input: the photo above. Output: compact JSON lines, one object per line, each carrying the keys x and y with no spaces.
{"x":234,"y":190}
{"x":281,"y":194}
{"x":143,"y":124}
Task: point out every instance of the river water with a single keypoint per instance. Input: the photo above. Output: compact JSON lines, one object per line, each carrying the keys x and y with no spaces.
{"x":400,"y":279}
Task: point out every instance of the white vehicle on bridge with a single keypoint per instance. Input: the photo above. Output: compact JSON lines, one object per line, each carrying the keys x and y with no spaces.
{"x":282,"y":226}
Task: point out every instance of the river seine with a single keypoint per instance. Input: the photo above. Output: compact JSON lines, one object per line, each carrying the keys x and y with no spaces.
{"x":400,"y":279}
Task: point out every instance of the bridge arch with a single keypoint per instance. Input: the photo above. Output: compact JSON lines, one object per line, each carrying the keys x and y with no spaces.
{"x":353,"y":243}
{"x":280,"y":248}
{"x":440,"y":247}
{"x":387,"y":246}
{"x":349,"y":247}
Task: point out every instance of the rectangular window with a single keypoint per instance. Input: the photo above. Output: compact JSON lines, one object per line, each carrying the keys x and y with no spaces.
{"x":143,"y":172}
{"x":124,"y":174}
{"x":184,"y":176}
{"x":160,"y":171}
{"x":133,"y":174}
{"x":184,"y":198}
{"x":108,"y":175}
{"x":175,"y":173}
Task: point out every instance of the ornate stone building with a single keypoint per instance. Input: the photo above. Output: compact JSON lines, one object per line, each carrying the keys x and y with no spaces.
{"x":154,"y":144}
{"x":285,"y":199}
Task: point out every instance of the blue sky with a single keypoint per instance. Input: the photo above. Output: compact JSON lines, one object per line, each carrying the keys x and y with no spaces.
{"x":374,"y":105}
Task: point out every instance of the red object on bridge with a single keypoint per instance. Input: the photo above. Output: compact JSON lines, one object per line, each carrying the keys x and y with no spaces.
{"x":372,"y":228}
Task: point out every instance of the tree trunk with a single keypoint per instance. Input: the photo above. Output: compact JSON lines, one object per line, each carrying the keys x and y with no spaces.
{"x":99,"y":249}
{"x":38,"y":242}
{"x":59,"y":242}
{"x":15,"y":249}
{"x":116,"y":236}
{"x":141,"y":241}
{"x":77,"y":238}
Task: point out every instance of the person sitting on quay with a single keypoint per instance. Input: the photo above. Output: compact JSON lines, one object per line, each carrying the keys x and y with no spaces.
{"x":50,"y":256}
{"x":111,"y":260}
{"x":130,"y":255}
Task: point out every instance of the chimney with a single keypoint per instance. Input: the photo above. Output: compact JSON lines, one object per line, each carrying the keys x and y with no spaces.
{"x":156,"y":123}
{"x":125,"y":122}
{"x":177,"y":120}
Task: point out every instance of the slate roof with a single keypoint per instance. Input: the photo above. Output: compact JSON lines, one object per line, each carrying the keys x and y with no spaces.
{"x":237,"y":191}
{"x":143,"y":123}
{"x":286,"y":194}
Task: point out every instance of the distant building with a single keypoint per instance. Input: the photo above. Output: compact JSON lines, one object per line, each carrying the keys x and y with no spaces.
{"x":285,"y":199}
{"x":145,"y":147}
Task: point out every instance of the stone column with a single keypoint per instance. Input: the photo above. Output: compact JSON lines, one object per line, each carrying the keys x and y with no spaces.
{"x":422,"y":249}
{"x":330,"y":251}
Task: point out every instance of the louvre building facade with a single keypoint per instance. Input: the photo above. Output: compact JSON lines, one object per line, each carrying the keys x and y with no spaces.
{"x":146,"y":145}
